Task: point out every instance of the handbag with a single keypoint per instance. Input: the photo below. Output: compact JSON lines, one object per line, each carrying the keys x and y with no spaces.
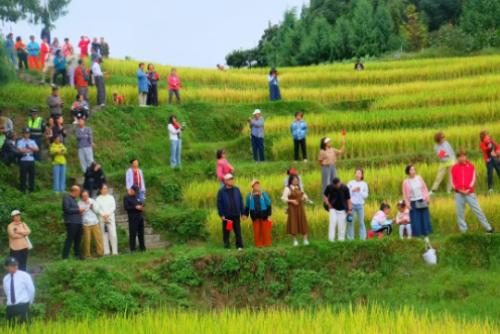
{"x":28,"y":241}
{"x":421,"y":204}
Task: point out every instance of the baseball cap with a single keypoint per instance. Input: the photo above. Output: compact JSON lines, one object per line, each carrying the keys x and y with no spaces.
{"x":257,"y":111}
{"x":34,"y":111}
{"x":228,"y":177}
{"x":15,"y":213}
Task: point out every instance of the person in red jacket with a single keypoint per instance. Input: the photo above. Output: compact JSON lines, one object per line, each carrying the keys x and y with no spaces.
{"x":81,"y":80}
{"x":44,"y":51}
{"x":174,"y":86}
{"x":491,"y":153}
{"x":463,"y":179}
{"x":84,"y":47}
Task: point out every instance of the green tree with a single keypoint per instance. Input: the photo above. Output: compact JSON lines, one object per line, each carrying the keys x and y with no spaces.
{"x":292,"y":40}
{"x":316,"y":47}
{"x":481,"y":19}
{"x":332,"y":10}
{"x":414,"y":30}
{"x":35,"y":11}
{"x":439,"y":12}
{"x":362,"y":29}
{"x":341,"y":40}
{"x":383,"y":27}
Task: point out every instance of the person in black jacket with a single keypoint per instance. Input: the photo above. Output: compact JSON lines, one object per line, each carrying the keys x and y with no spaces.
{"x":73,"y":221}
{"x":94,"y":179}
{"x":9,"y":154}
{"x":230,"y":208}
{"x":135,"y":211}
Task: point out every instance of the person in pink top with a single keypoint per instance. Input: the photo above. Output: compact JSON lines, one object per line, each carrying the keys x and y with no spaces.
{"x":67,"y":48}
{"x":223,"y":166}
{"x":174,"y":86}
{"x":416,"y":196}
{"x":84,"y":46}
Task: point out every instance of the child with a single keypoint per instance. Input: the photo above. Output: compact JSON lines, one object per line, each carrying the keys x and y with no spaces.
{"x":403,"y":220}
{"x":380,"y":223}
{"x":118,"y":99}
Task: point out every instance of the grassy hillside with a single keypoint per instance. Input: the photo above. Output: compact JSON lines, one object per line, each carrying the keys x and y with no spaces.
{"x":390,"y":112}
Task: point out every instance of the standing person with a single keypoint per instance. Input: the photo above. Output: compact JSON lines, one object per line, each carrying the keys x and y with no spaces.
{"x":104,"y":48}
{"x":82,"y":80}
{"x":491,"y":153}
{"x":274,"y":87}
{"x":135,"y":177}
{"x":174,"y":86}
{"x":338,"y":200}
{"x":48,"y":67}
{"x":84,"y":47}
{"x":58,"y":129}
{"x":10,"y":47}
{"x":299,"y":133}
{"x":55,"y":44}
{"x":175,"y":130}
{"x":45,"y":34}
{"x":359,"y":193}
{"x":135,"y":211}
{"x":293,"y":171}
{"x":99,"y":82}
{"x":359,"y":65}
{"x":106,"y":207}
{"x":230,"y":208}
{"x":36,"y":124}
{"x":223,"y":166}
{"x":258,"y":206}
{"x":67,"y":48}
{"x":295,"y":197}
{"x":463,"y":176}
{"x":44,"y":52}
{"x":73,"y":220}
{"x":22,"y":54}
{"x":27,"y":147}
{"x":60,"y":68}
{"x":33,"y":54}
{"x":55,"y":103}
{"x":58,"y":152}
{"x":6,"y":123}
{"x":86,"y":145}
{"x":153,"y":79}
{"x":94,"y":179}
{"x":328,"y":160}
{"x":91,"y":228}
{"x":96,"y":46}
{"x":19,"y":243}
{"x":19,"y":293}
{"x":417,"y":199}
{"x":257,"y":135}
{"x":403,"y":220}
{"x":48,"y":134}
{"x":142,"y":85}
{"x":447,"y":158}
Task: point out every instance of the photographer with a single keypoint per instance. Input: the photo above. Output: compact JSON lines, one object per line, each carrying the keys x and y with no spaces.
{"x":175,"y":130}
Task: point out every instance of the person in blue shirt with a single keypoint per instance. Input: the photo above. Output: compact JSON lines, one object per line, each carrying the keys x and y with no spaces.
{"x":33,"y":54}
{"x":60,"y":67}
{"x":11,"y":50}
{"x":299,"y":133}
{"x":143,"y":85}
{"x":27,"y":148}
{"x":274,"y":87}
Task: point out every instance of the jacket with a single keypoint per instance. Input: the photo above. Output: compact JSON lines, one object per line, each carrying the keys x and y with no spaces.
{"x":174,"y":82}
{"x":129,"y":203}
{"x":18,"y":241}
{"x":142,"y":81}
{"x":129,"y":179}
{"x":71,"y":210}
{"x":93,"y":179}
{"x":223,"y":168}
{"x":407,"y":190}
{"x":58,"y":153}
{"x":223,"y":202}
{"x":463,"y":176}
{"x":33,"y":49}
{"x":487,"y":148}
{"x":264,"y":203}
{"x":81,"y":78}
{"x":37,"y":126}
{"x":54,"y":103}
{"x":60,"y":63}
{"x":299,"y":130}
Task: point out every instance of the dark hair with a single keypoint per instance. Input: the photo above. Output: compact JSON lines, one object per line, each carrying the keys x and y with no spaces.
{"x":140,"y":64}
{"x":483,"y":134}
{"x":299,"y":113}
{"x":132,"y":160}
{"x":150,"y":65}
{"x":461,"y":153}
{"x":102,"y":186}
{"x":80,"y":61}
{"x":84,"y":191}
{"x":55,"y":88}
{"x":362,"y":172}
{"x":407,"y":169}
{"x":401,"y":204}
{"x":18,"y":38}
{"x":322,"y":144}
{"x":335,"y":181}
{"x":220,"y":153}
{"x":273,"y":71}
{"x":291,"y":178}
{"x":78,"y":96}
{"x":438,"y":136}
{"x":384,"y":206}
{"x":66,"y":39}
{"x":171,"y":119}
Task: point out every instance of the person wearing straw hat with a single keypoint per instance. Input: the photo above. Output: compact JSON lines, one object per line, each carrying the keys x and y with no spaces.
{"x":256,"y":124}
{"x":230,"y":209}
{"x":259,"y":208}
{"x":27,"y":147}
{"x":19,"y":292}
{"x":19,"y":243}
{"x":328,"y":159}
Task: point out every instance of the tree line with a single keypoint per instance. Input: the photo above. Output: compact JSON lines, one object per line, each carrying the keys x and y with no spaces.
{"x":332,"y":30}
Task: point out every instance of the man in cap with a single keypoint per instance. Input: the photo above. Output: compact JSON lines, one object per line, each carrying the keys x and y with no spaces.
{"x":230,"y":208}
{"x":72,"y":214}
{"x":19,"y":292}
{"x":257,"y":135}
{"x":36,"y":124}
{"x":27,"y":147}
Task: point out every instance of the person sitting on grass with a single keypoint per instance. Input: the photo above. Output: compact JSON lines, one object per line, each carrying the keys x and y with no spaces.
{"x":118,"y":99}
{"x":403,"y":220}
{"x":80,"y":108}
{"x":381,"y":223}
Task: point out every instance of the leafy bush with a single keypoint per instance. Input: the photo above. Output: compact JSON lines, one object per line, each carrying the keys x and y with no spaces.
{"x":181,"y":224}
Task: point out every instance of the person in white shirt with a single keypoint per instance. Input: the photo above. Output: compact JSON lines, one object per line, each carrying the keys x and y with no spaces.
{"x":19,"y":292}
{"x":99,"y":82}
{"x":359,"y":193}
{"x":91,"y":229}
{"x":174,"y":130}
{"x":105,"y":205}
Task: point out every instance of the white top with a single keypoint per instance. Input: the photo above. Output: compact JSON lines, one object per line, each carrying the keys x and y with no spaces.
{"x":415,"y":189}
{"x":96,"y":69}
{"x":106,"y":205}
{"x":89,"y":216}
{"x":24,"y":290}
{"x":287,"y":192}
{"x":358,"y":197}
{"x":173,"y":132}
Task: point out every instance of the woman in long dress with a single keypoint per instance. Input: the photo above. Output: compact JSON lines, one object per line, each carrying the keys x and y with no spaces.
{"x":297,"y":220}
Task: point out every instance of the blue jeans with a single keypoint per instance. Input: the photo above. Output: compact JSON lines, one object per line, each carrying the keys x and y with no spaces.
{"x":258,"y":148}
{"x":175,"y":153}
{"x":359,"y":210}
{"x":141,"y":196}
{"x":59,"y":178}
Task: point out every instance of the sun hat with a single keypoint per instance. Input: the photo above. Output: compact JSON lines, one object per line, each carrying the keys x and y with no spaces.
{"x":228,"y":177}
{"x":254,"y":182}
{"x":257,"y":111}
{"x":327,"y":140}
{"x":15,"y":213}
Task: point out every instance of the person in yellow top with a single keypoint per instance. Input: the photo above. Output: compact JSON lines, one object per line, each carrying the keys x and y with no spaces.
{"x":58,"y":152}
{"x":328,"y":159}
{"x":19,"y":243}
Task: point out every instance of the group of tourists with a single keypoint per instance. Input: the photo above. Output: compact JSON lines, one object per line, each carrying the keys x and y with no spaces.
{"x":147,"y":83}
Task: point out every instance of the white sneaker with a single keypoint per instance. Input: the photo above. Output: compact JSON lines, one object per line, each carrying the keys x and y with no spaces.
{"x":431,"y":193}
{"x":305,"y":160}
{"x":490,"y":192}
{"x":240,"y":249}
{"x":295,"y":243}
{"x":306,"y":242}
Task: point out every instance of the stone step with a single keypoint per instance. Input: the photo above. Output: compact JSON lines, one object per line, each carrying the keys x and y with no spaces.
{"x":158,"y":245}
{"x":152,"y":238}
